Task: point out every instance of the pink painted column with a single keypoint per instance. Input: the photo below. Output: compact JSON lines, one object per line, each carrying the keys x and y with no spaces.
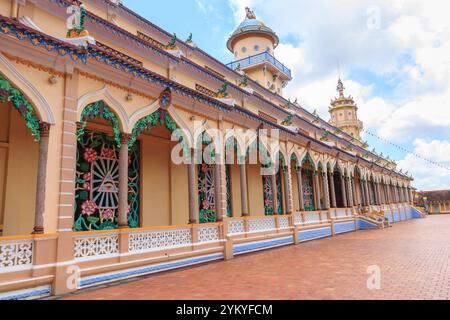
{"x":41,"y":179}
{"x":333,"y":191}
{"x":344,"y":192}
{"x":273,"y":183}
{"x":123,"y":182}
{"x":350,"y":202}
{"x":192,"y":190}
{"x":244,"y":191}
{"x":326,"y":190}
{"x":317,"y":190}
{"x":300,"y":189}
{"x":288,"y":190}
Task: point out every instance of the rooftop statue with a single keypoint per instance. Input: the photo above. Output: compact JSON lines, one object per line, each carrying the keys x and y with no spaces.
{"x":249,"y":13}
{"x":172,"y":45}
{"x":189,"y":39}
{"x":75,"y":22}
{"x":222,"y":93}
{"x":288,"y":120}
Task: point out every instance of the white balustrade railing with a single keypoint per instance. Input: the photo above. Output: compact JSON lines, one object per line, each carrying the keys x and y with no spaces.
{"x":154,"y":240}
{"x":283,"y":222}
{"x":324,"y":217}
{"x":311,"y":217}
{"x":333,"y":214}
{"x":94,"y":246}
{"x":236,"y":226}
{"x":298,"y":218}
{"x":16,"y":254}
{"x":341,"y":213}
{"x":261,"y":224}
{"x":209,"y":234}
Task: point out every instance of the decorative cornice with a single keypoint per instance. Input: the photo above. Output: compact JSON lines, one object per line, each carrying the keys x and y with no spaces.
{"x":112,"y":84}
{"x":34,"y":65}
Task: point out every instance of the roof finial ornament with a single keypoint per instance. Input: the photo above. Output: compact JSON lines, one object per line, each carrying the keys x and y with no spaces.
{"x":249,"y":13}
{"x":340,"y":88}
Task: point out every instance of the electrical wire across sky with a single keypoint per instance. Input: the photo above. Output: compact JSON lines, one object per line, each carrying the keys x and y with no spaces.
{"x":437,"y":164}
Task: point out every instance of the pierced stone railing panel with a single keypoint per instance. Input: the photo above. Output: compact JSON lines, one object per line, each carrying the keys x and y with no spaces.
{"x":154,"y":240}
{"x":298,"y":218}
{"x":333,"y":213}
{"x":16,"y":254}
{"x":283,"y":222}
{"x":236,"y":226}
{"x":96,"y":246}
{"x":311,"y":217}
{"x":324,"y":217}
{"x":341,"y":213}
{"x":208,"y":234}
{"x":262,"y":224}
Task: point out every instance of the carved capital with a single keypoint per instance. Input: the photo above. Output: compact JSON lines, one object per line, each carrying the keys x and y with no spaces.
{"x":124,"y":138}
{"x":44,"y":129}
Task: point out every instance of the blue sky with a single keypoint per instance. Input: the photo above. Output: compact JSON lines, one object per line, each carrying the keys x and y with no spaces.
{"x":185,"y":16}
{"x":394,"y":58}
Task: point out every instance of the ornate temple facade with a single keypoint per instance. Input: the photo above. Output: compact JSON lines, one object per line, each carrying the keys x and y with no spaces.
{"x":95,"y":103}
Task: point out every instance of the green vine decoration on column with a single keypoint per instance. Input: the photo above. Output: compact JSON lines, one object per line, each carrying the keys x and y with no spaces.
{"x":100,"y":109}
{"x":10,"y":94}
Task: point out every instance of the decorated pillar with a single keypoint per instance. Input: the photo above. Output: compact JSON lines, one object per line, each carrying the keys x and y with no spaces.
{"x":380,"y":188}
{"x":41,"y":179}
{"x":388,"y":196}
{"x":244,"y":191}
{"x":274,"y":189}
{"x":217,"y":188}
{"x":350,"y":202}
{"x":317,"y":191}
{"x":123,"y":182}
{"x":375,"y":193}
{"x":380,"y":193}
{"x":326,"y":189}
{"x":288,"y":190}
{"x":344,"y":193}
{"x":355,"y":193}
{"x":300,"y":188}
{"x":193,"y":189}
{"x":363,"y":194}
{"x":333,"y":190}
{"x":366,"y":190}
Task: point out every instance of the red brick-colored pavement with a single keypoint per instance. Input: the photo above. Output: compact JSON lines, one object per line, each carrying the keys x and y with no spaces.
{"x":414,"y":258}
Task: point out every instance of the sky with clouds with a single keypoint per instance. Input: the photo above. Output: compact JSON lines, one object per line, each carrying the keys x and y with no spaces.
{"x":394,"y":58}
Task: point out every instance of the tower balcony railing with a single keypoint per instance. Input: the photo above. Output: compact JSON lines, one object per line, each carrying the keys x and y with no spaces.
{"x":257,"y":59}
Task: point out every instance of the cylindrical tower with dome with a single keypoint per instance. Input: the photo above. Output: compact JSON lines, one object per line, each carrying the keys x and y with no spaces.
{"x":253,"y":45}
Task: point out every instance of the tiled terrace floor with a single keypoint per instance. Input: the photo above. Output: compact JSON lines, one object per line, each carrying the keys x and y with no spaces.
{"x":414,"y":258}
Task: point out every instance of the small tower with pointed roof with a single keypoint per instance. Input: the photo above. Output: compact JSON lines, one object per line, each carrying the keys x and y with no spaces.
{"x":253,"y":45}
{"x":344,"y":113}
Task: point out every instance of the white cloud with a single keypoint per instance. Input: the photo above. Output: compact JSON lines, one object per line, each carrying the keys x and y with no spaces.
{"x":428,"y":176}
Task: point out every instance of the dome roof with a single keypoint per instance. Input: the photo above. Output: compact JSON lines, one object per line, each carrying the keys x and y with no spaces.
{"x":252,"y":26}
